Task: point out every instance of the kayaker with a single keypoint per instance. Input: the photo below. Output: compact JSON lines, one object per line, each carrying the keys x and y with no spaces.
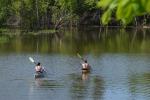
{"x":85,"y":65}
{"x":39,"y":68}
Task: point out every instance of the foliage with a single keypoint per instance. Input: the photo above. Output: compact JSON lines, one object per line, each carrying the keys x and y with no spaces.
{"x":125,"y":10}
{"x":5,"y":10}
{"x":35,"y":13}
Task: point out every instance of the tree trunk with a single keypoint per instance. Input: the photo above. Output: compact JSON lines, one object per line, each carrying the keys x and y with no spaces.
{"x":37,"y":14}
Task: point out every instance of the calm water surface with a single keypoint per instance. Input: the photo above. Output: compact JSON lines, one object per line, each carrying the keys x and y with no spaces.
{"x":120,"y":63}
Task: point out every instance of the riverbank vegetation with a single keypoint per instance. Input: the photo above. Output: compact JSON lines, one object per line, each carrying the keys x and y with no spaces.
{"x":53,"y":14}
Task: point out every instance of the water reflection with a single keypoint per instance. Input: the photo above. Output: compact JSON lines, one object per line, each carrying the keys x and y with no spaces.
{"x":44,"y":89}
{"x":98,"y":88}
{"x":140,"y":85}
{"x":85,"y":86}
{"x":85,"y":76}
{"x":120,"y":71}
{"x":93,"y":40}
{"x":45,"y":83}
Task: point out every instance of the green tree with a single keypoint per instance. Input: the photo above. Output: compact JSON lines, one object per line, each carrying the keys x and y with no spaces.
{"x":5,"y":10}
{"x":37,"y":14}
{"x":125,"y":10}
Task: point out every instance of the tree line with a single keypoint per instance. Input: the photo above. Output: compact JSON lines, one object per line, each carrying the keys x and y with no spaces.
{"x":45,"y":14}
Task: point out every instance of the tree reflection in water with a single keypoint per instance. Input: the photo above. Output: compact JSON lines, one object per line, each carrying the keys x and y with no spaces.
{"x":98,"y":88}
{"x":45,"y":83}
{"x":139,"y":85}
{"x":85,"y":86}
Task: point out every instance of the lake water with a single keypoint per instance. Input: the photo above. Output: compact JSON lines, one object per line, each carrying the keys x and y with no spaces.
{"x":120,"y":61}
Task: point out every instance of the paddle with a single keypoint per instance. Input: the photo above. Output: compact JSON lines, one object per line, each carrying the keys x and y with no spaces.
{"x":32,"y":60}
{"x":80,"y":56}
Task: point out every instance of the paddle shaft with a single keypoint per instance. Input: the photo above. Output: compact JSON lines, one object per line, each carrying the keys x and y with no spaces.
{"x":80,"y":57}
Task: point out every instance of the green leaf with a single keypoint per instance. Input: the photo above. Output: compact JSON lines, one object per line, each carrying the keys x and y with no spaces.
{"x":113,"y":5}
{"x":104,"y":3}
{"x":119,"y":12}
{"x":106,"y":17}
{"x":148,"y":6}
{"x":128,"y":11}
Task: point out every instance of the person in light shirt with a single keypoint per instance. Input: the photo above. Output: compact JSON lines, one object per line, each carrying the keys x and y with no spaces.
{"x":39,"y":68}
{"x":85,"y":65}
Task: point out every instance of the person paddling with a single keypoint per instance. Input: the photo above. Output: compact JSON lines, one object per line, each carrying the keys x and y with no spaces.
{"x":85,"y":65}
{"x":39,"y":68}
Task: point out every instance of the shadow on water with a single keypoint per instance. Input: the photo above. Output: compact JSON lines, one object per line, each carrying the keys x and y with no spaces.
{"x":85,"y":86}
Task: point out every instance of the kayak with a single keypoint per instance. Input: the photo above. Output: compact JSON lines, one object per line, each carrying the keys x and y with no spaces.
{"x":85,"y":70}
{"x":39,"y":74}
